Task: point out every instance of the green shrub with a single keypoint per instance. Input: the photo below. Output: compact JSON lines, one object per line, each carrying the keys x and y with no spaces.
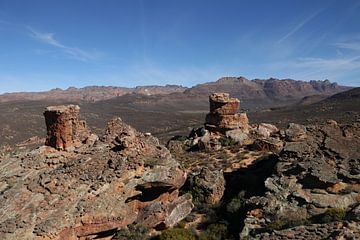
{"x":133,"y":232}
{"x":216,"y":231}
{"x":296,"y":222}
{"x":275,"y":225}
{"x":176,"y":234}
{"x":181,"y":224}
{"x":333,"y":214}
{"x":225,"y":142}
{"x":285,"y":223}
{"x":236,"y":203}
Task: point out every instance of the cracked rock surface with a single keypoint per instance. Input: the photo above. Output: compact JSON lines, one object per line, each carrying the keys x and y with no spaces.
{"x":51,"y":194}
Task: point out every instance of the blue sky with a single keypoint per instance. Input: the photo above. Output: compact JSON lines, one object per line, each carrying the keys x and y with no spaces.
{"x":47,"y":43}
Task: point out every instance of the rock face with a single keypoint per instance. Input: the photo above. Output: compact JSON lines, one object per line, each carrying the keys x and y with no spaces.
{"x":64,"y":127}
{"x":334,"y":230}
{"x":125,"y":177}
{"x":265,"y":130}
{"x":207,"y":186}
{"x":318,"y":170}
{"x":223,"y":114}
{"x":222,"y":104}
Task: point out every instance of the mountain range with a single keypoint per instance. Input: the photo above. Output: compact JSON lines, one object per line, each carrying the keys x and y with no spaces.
{"x":171,"y":109}
{"x":268,"y":92}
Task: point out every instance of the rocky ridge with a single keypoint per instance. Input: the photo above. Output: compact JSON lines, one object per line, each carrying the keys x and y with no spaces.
{"x":94,"y":186}
{"x":318,"y":172}
{"x":89,"y":94}
{"x":268,"y":90}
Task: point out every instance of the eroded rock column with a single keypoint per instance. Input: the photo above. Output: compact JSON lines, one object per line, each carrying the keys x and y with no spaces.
{"x":65,"y":130}
{"x":223,"y":114}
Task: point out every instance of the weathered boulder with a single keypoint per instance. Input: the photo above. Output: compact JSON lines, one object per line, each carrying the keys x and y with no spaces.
{"x":295,"y":132}
{"x":175,"y":146}
{"x":92,"y":139}
{"x":128,"y":141}
{"x":238,"y":136}
{"x":207,"y":186}
{"x":120,"y":134}
{"x":65,"y":130}
{"x":268,"y":145}
{"x":208,"y":142}
{"x":265,"y":130}
{"x":165,"y":214}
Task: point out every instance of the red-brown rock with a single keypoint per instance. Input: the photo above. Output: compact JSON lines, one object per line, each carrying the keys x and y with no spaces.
{"x":99,"y":187}
{"x":223,"y":114}
{"x":64,"y":127}
{"x":223,"y":104}
{"x":227,"y":122}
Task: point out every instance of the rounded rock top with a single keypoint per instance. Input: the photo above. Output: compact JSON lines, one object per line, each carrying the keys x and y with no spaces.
{"x":222,"y":97}
{"x":63,"y":108}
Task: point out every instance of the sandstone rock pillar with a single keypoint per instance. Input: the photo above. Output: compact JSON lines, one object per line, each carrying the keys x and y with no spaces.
{"x":65,"y":130}
{"x":223,"y":114}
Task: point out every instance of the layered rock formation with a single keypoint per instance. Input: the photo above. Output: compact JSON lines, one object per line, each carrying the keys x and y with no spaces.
{"x":318,"y":173}
{"x":222,"y":122}
{"x":301,"y":182}
{"x":223,"y":114}
{"x":65,"y":130}
{"x":124,"y":178}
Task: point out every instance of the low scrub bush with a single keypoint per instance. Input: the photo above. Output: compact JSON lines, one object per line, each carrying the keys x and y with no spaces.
{"x":333,"y":214}
{"x":226,"y":142}
{"x":176,"y":234}
{"x":215,"y":231}
{"x":285,"y":223}
{"x":132,"y":232}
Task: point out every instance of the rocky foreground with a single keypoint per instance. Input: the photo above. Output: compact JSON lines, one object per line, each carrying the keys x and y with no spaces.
{"x":96,"y":185}
{"x":302,"y":182}
{"x":230,"y":180}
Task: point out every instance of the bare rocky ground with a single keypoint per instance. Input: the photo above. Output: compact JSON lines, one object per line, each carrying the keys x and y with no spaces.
{"x":93,"y":187}
{"x":247,"y":180}
{"x":308,"y":189}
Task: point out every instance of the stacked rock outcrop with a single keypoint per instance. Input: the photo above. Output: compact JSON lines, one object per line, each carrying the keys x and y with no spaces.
{"x":65,"y":130}
{"x":223,"y":114}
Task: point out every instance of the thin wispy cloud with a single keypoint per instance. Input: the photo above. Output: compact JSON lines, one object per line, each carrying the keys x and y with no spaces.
{"x":300,"y":25}
{"x":355,"y":45}
{"x":319,"y":68}
{"x":340,"y":63}
{"x":73,"y":52}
